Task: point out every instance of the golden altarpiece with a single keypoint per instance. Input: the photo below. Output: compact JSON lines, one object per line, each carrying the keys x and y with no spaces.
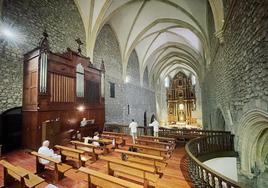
{"x":181,"y":100}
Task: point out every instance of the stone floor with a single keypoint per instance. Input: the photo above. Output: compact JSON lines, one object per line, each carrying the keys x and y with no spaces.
{"x":175,"y":174}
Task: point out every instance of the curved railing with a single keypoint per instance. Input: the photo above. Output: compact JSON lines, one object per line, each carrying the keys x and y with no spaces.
{"x":201,"y":174}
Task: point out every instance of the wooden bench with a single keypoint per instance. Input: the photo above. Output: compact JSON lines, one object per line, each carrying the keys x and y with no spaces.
{"x":76,"y":154}
{"x":59,"y":167}
{"x":157,"y":162}
{"x":119,"y":140}
{"x":152,"y":150}
{"x":91,"y":149}
{"x":98,"y":179}
{"x":17,"y":173}
{"x":146,"y":174}
{"x":152,"y":143}
{"x":161,"y":139}
{"x":103,"y":141}
{"x":116,"y":134}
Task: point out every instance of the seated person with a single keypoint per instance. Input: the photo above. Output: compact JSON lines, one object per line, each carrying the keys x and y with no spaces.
{"x":44,"y":150}
{"x":96,"y":137}
{"x":83,"y":122}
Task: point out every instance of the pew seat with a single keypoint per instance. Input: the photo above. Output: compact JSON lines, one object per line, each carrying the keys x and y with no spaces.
{"x":107,"y":143}
{"x":163,"y":139}
{"x":119,"y":140}
{"x":157,"y":162}
{"x":153,"y":143}
{"x":152,"y":150}
{"x":99,"y":179}
{"x":25,"y":177}
{"x":146,"y":174}
{"x":59,"y":167}
{"x":91,"y":149}
{"x":75,"y":154}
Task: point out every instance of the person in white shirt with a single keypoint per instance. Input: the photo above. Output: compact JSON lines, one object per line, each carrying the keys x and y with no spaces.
{"x":155,"y":125}
{"x":44,"y":150}
{"x":83,"y":122}
{"x":96,"y":137}
{"x":133,"y":130}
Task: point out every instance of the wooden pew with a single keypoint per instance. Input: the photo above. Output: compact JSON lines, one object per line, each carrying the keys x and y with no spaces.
{"x":103,"y":141}
{"x":59,"y":167}
{"x":152,"y":143}
{"x":116,"y":134}
{"x":91,"y":149}
{"x":161,"y":139}
{"x":130,"y":170}
{"x":152,"y":150}
{"x":119,"y":140}
{"x":17,"y":173}
{"x":76,"y":154}
{"x":157,"y":162}
{"x":98,"y":179}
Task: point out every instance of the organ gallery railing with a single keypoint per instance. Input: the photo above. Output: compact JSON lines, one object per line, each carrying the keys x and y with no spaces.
{"x":202,"y":175}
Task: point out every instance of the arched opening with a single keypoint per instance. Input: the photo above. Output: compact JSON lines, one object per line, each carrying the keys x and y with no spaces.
{"x":11,"y":129}
{"x":253,"y":139}
{"x":220,"y":122}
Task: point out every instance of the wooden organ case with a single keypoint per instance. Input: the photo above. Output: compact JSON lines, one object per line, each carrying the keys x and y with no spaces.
{"x":59,"y":90}
{"x":181,"y":100}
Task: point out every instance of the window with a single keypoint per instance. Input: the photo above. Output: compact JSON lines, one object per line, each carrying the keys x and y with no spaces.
{"x":112,"y":90}
{"x":166,"y":82}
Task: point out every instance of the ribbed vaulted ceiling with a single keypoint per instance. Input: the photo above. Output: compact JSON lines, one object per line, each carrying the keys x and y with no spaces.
{"x":166,"y":34}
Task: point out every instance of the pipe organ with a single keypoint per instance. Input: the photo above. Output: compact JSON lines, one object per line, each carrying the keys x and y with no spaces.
{"x":59,"y":90}
{"x":181,"y":100}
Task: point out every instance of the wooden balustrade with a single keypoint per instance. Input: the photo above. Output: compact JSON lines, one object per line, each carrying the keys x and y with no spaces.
{"x":202,"y":175}
{"x":175,"y":132}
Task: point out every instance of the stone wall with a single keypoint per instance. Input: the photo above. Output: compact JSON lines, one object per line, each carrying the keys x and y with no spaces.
{"x":28,"y":19}
{"x":238,"y":73}
{"x":139,"y":99}
{"x":236,"y":81}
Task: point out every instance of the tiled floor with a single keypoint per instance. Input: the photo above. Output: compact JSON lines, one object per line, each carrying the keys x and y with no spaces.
{"x":175,"y":174}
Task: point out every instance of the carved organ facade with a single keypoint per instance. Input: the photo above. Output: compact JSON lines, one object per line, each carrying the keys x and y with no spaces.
{"x":59,"y":90}
{"x":181,"y":100}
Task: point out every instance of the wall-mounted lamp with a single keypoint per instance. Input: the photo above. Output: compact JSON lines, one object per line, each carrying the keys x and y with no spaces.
{"x":81,"y":108}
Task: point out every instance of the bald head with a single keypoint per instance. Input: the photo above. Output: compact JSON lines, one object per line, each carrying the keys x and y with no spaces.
{"x":46,"y":143}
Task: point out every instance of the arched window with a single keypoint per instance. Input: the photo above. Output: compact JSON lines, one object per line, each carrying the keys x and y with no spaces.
{"x":79,"y":81}
{"x":193,"y":80}
{"x":166,"y":82}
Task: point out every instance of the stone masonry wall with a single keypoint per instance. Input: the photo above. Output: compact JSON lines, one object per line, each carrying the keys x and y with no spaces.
{"x":238,"y":74}
{"x":138,"y":98}
{"x":29,"y":19}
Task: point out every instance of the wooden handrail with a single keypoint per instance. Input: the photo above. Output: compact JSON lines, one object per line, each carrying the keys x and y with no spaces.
{"x":200,"y":173}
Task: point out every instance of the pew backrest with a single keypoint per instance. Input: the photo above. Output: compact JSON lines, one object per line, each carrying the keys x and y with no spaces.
{"x":26,"y":178}
{"x":104,"y":180}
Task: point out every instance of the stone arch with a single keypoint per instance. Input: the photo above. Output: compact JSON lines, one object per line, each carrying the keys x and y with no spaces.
{"x":219,"y":120}
{"x":252,"y":142}
{"x":133,"y":70}
{"x":107,"y":48}
{"x":218,"y":15}
{"x":146,"y":78}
